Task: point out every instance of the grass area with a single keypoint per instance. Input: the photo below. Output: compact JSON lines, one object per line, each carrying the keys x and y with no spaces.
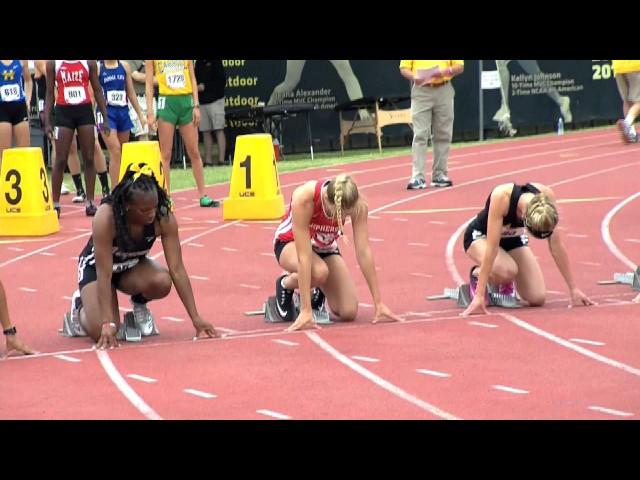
{"x":183,"y":179}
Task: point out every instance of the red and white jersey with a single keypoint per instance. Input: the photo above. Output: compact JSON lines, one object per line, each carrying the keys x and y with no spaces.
{"x":323,"y":230}
{"x":72,"y":82}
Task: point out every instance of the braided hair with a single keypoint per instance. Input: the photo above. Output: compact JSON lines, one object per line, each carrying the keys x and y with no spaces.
{"x":343,"y":193}
{"x":140,"y":179}
{"x":541,"y":214}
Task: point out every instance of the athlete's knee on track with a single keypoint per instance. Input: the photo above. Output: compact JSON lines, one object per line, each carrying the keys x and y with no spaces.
{"x":348,"y":313}
{"x":160,"y":285}
{"x":534,"y":299}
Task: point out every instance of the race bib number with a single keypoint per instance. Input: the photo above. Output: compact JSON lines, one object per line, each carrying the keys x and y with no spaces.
{"x":117,"y":98}
{"x":10,"y":93}
{"x":41,"y":105}
{"x":74,"y":95}
{"x":175,"y":81}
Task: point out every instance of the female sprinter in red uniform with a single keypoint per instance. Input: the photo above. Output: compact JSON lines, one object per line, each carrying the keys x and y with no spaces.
{"x":306,"y":246}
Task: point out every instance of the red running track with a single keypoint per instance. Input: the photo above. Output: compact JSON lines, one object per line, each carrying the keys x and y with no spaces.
{"x":530,"y":363}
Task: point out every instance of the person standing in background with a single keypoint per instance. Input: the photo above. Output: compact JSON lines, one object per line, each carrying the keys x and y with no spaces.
{"x":138,"y":76}
{"x":627,"y":74}
{"x":15,"y":97}
{"x":431,"y":105}
{"x":212,"y":79}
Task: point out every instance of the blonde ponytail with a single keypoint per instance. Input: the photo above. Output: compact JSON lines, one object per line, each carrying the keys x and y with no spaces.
{"x":343,"y":193}
{"x":541,"y":213}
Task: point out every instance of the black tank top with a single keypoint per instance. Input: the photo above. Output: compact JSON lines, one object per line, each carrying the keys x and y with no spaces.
{"x":512,"y":215}
{"x":124,"y":260}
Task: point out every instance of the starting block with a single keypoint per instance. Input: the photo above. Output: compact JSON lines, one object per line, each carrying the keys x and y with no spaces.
{"x":631,"y":278}
{"x":128,"y":330}
{"x":271,"y":315}
{"x":462,"y":296}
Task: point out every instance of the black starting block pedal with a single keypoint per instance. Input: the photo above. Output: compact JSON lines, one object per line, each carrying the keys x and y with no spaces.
{"x":631,"y":278}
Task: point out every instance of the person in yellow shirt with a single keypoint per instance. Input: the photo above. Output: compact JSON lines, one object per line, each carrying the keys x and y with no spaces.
{"x":627,"y":75}
{"x":178,"y":105}
{"x":432,"y":116}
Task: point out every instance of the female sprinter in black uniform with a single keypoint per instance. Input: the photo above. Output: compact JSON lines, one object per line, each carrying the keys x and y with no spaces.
{"x":124,"y":230}
{"x":494,"y":240}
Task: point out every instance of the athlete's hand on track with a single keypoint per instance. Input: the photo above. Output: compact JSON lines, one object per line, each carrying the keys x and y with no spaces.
{"x":14,"y":344}
{"x":579,"y":298}
{"x":303,"y":319}
{"x":476,"y":305}
{"x":383,"y":314}
{"x":201,"y":326}
{"x":107,"y":336}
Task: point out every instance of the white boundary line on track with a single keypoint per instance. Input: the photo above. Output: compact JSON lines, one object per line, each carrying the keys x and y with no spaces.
{"x":606,"y":234}
{"x":268,"y":332}
{"x":126,"y":390}
{"x":379,"y":381}
{"x":455,"y":274}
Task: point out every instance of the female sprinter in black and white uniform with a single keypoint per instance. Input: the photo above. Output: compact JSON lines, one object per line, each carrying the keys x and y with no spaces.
{"x":115,"y":258}
{"x":496,"y":241}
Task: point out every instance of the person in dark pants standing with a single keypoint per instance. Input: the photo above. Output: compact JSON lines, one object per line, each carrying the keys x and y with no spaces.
{"x":211,"y":79}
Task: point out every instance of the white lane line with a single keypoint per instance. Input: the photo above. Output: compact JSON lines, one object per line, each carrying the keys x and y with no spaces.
{"x":555,"y":292}
{"x":510,"y":389}
{"x":587,"y":342}
{"x":437,"y":222}
{"x":418,"y":244}
{"x":632,"y":240}
{"x":66,"y":298}
{"x":482,"y":324}
{"x":381,"y":382}
{"x":400,"y":219}
{"x":142,"y":378}
{"x":241,"y":225}
{"x":16,"y":249}
{"x":365,"y":359}
{"x":275,"y":228}
{"x":66,"y":358}
{"x":48,"y":247}
{"x":198,"y":277}
{"x":195,"y":245}
{"x":229,"y":249}
{"x":48,"y":254}
{"x":255,"y":287}
{"x":591,"y":264}
{"x":610,"y":411}
{"x":285,"y":342}
{"x":373,"y":217}
{"x":198,"y":393}
{"x":173,"y":319}
{"x":365,"y":305}
{"x":187,"y":218}
{"x":577,"y":235}
{"x":271,"y":413}
{"x":125,"y":309}
{"x":227,"y":330}
{"x":433,"y":373}
{"x":576,"y":348}
{"x":606,"y":234}
{"x":76,"y":258}
{"x":125,"y":388}
{"x":268,"y":254}
{"x":423,"y":275}
{"x":27,"y":289}
{"x":376,"y":239}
